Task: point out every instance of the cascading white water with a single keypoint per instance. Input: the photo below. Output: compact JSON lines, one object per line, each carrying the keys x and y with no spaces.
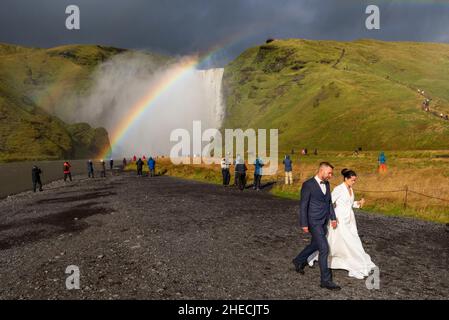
{"x":120,"y":85}
{"x":212,"y":80}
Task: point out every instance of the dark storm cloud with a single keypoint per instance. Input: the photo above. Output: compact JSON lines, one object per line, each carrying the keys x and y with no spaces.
{"x":189,"y":26}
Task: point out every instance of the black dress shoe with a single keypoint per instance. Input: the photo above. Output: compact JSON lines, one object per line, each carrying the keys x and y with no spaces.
{"x":299,"y":267}
{"x":330,"y":286}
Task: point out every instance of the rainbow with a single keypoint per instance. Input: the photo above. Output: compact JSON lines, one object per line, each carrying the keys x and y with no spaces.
{"x":168,"y":80}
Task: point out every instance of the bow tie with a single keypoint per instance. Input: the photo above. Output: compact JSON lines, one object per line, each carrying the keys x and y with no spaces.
{"x":322,"y":182}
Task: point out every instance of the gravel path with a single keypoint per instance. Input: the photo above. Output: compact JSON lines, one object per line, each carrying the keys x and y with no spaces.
{"x":166,"y":238}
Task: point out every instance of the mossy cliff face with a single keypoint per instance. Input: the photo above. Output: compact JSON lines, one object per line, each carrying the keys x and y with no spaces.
{"x":34,"y":83}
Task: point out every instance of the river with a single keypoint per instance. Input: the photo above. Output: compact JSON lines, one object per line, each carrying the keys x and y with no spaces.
{"x":15,"y":177}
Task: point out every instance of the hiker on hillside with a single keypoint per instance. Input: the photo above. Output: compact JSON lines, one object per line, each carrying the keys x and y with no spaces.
{"x":36,"y":178}
{"x":90,"y":169}
{"x":111,"y":164}
{"x":139,"y":164}
{"x":151,"y":166}
{"x":288,"y":168}
{"x":67,"y":172}
{"x":382,"y":160}
{"x":240,"y":171}
{"x":225,"y":165}
{"x":103,"y":169}
{"x":258,"y":164}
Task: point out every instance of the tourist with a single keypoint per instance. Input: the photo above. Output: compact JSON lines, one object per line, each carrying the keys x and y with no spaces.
{"x":103,"y":169}
{"x":225,"y":165}
{"x":139,"y":165}
{"x":67,"y":173}
{"x":240,"y":171}
{"x":382,"y":160}
{"x":90,"y":169}
{"x":258,"y":164}
{"x":288,"y":168}
{"x":36,"y":178}
{"x":151,"y":166}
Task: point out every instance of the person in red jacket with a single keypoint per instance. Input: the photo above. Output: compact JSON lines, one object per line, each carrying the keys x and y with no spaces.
{"x":67,"y":172}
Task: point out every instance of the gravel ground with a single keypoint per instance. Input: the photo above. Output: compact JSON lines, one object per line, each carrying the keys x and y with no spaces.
{"x":166,"y":238}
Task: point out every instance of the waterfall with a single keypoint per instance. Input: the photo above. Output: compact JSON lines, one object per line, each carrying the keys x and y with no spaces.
{"x":122,"y":82}
{"x":212,"y":80}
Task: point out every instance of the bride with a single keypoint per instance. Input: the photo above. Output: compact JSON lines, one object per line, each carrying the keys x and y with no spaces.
{"x":345,"y":247}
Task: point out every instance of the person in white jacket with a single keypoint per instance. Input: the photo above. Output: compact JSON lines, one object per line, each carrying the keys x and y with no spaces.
{"x":225,"y":165}
{"x":345,"y":247}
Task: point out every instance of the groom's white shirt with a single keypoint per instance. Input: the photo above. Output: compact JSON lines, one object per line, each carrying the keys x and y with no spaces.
{"x":322,"y":186}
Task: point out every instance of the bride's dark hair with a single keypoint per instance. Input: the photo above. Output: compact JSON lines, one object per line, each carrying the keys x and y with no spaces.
{"x":347,"y":173}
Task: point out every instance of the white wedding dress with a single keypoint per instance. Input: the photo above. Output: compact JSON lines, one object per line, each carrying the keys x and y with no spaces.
{"x":345,"y":247}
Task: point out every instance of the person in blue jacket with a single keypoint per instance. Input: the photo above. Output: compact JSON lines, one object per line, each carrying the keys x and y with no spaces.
{"x":288,"y":168}
{"x":151,"y":166}
{"x":258,"y":164}
{"x":382,"y":161}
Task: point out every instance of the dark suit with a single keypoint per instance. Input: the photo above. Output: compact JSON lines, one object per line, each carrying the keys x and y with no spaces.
{"x":315,"y":211}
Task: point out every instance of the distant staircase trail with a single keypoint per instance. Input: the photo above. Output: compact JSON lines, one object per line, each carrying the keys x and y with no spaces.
{"x":342,"y":55}
{"x":434,"y":113}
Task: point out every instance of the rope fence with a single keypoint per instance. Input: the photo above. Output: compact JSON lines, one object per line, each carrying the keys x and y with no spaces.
{"x":406,"y":191}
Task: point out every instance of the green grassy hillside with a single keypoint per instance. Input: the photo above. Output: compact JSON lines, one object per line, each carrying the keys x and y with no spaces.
{"x":38,"y":88}
{"x":341,"y":95}
{"x":33,"y":82}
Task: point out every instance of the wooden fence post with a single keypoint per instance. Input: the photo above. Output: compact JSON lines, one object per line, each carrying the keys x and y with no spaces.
{"x":406,"y":197}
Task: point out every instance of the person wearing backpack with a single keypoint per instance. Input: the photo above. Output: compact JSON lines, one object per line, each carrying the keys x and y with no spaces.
{"x":67,"y":173}
{"x":258,"y":164}
{"x":36,"y":178}
{"x":151,"y":166}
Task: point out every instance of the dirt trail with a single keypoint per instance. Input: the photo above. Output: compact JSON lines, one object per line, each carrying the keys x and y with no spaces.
{"x":166,"y":238}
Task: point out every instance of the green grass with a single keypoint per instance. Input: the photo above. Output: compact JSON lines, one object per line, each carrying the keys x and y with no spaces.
{"x":34,"y":84}
{"x":369,"y":99}
{"x":422,"y":171}
{"x":38,"y":88}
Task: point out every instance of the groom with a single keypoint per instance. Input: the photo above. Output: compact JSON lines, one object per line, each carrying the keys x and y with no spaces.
{"x":316,"y":209}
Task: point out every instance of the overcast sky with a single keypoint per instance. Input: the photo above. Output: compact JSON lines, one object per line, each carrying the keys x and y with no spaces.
{"x":191,"y":26}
